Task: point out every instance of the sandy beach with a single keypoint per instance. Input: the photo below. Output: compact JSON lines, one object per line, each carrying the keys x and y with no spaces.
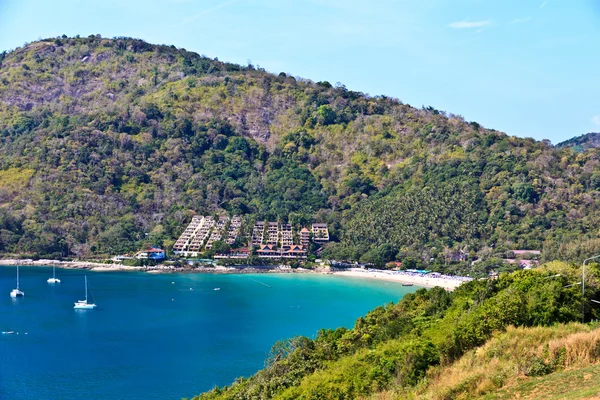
{"x":416,"y":279}
{"x":448,"y":283}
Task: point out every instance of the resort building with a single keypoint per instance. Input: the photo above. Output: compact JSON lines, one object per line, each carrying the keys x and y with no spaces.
{"x":295,"y":251}
{"x":304,"y":237}
{"x":525,"y":259}
{"x":272,"y":239}
{"x":217,"y":232}
{"x":268,"y":251}
{"x":203,"y":231}
{"x":273,"y":233}
{"x":238,"y":254}
{"x":202,"y":235}
{"x":287,"y":235}
{"x":188,"y":234}
{"x":258,"y":233}
{"x":320,"y":233}
{"x":121,"y":258}
{"x":234,"y":230}
{"x":151,"y":254}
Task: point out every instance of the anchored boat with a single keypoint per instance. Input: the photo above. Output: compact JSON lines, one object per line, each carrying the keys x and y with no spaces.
{"x":83,"y":304}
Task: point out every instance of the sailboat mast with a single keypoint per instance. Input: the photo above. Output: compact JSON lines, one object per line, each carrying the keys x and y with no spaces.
{"x":86,"y":288}
{"x":54,"y":272}
{"x":17,"y":276}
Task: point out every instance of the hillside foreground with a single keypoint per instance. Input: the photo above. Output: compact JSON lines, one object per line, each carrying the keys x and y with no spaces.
{"x":496,"y":338}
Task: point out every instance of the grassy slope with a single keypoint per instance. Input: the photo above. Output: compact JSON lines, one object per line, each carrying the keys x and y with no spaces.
{"x":580,"y":383}
{"x":519,"y":362}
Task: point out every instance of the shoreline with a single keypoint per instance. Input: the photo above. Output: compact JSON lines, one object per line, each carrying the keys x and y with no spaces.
{"x":416,"y":280}
{"x":160,"y":269}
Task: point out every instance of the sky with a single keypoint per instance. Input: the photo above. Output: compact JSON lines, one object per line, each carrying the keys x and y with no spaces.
{"x":530,"y":68}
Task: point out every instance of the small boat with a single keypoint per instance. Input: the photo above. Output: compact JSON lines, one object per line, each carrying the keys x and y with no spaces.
{"x":217,"y":288}
{"x":16,"y":292}
{"x":54,"y":279}
{"x":83,"y":304}
{"x":407,"y":284}
{"x":8,"y":332}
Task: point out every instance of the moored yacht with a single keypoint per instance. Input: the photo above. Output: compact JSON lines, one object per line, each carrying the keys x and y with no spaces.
{"x":17,"y":292}
{"x":83,"y":304}
{"x":54,"y":279}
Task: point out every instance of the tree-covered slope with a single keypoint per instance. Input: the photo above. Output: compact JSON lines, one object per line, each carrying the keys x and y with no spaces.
{"x":583,"y":142}
{"x":105,"y":140}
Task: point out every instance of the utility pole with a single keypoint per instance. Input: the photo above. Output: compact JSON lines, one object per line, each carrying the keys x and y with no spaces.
{"x":583,"y":287}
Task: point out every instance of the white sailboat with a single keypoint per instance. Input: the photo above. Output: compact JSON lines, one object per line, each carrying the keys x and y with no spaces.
{"x":16,"y":292}
{"x":54,"y":279}
{"x":83,"y":304}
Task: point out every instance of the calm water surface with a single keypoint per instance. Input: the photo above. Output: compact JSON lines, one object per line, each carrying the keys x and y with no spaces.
{"x":161,"y":336}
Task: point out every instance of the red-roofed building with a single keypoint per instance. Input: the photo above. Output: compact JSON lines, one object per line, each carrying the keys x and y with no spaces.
{"x":295,"y":251}
{"x":152,"y":253}
{"x":267,"y":250}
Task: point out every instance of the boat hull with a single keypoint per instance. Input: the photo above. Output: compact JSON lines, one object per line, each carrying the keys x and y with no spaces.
{"x":53,"y":280}
{"x":16,"y":293}
{"x":84,"y":306}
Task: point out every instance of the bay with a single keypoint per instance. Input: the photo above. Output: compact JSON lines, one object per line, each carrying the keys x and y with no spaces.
{"x":163,"y":336}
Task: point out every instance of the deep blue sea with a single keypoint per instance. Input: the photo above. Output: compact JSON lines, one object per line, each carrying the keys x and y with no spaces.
{"x":163,"y":336}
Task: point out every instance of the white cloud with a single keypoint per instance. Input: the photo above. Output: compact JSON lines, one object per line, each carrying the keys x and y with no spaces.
{"x":469,"y":24}
{"x":596,"y":120}
{"x":521,"y":20}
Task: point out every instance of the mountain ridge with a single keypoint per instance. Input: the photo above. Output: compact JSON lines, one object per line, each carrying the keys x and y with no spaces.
{"x":583,"y":142}
{"x":125,"y":138}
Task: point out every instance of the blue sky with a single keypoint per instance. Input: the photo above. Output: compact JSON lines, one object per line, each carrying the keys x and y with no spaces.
{"x":530,"y":68}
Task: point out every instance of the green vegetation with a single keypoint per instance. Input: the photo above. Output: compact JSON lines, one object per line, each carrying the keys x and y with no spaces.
{"x":583,"y":142}
{"x":108,"y":144}
{"x":578,"y":383}
{"x":427,"y":345}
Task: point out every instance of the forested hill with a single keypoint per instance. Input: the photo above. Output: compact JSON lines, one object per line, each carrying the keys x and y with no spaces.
{"x":583,"y":142}
{"x":105,"y":140}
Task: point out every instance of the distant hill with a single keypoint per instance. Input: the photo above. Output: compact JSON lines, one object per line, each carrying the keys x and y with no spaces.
{"x":583,"y":142}
{"x":106,"y":144}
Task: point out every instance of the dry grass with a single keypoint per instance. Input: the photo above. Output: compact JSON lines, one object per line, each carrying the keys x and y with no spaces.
{"x":579,"y":349}
{"x":508,"y":359}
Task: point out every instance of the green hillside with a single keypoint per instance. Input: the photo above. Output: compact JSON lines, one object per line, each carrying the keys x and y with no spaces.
{"x":488,"y":337}
{"x":105,"y":140}
{"x":583,"y":142}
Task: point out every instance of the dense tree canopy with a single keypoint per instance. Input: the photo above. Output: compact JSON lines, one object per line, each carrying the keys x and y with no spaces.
{"x":106,"y":143}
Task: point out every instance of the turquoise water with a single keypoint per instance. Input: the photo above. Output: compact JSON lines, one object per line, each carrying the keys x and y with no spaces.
{"x":151,"y":337}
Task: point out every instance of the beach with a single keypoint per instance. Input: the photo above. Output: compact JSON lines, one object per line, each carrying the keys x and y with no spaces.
{"x":446,"y":282}
{"x":428,"y":280}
